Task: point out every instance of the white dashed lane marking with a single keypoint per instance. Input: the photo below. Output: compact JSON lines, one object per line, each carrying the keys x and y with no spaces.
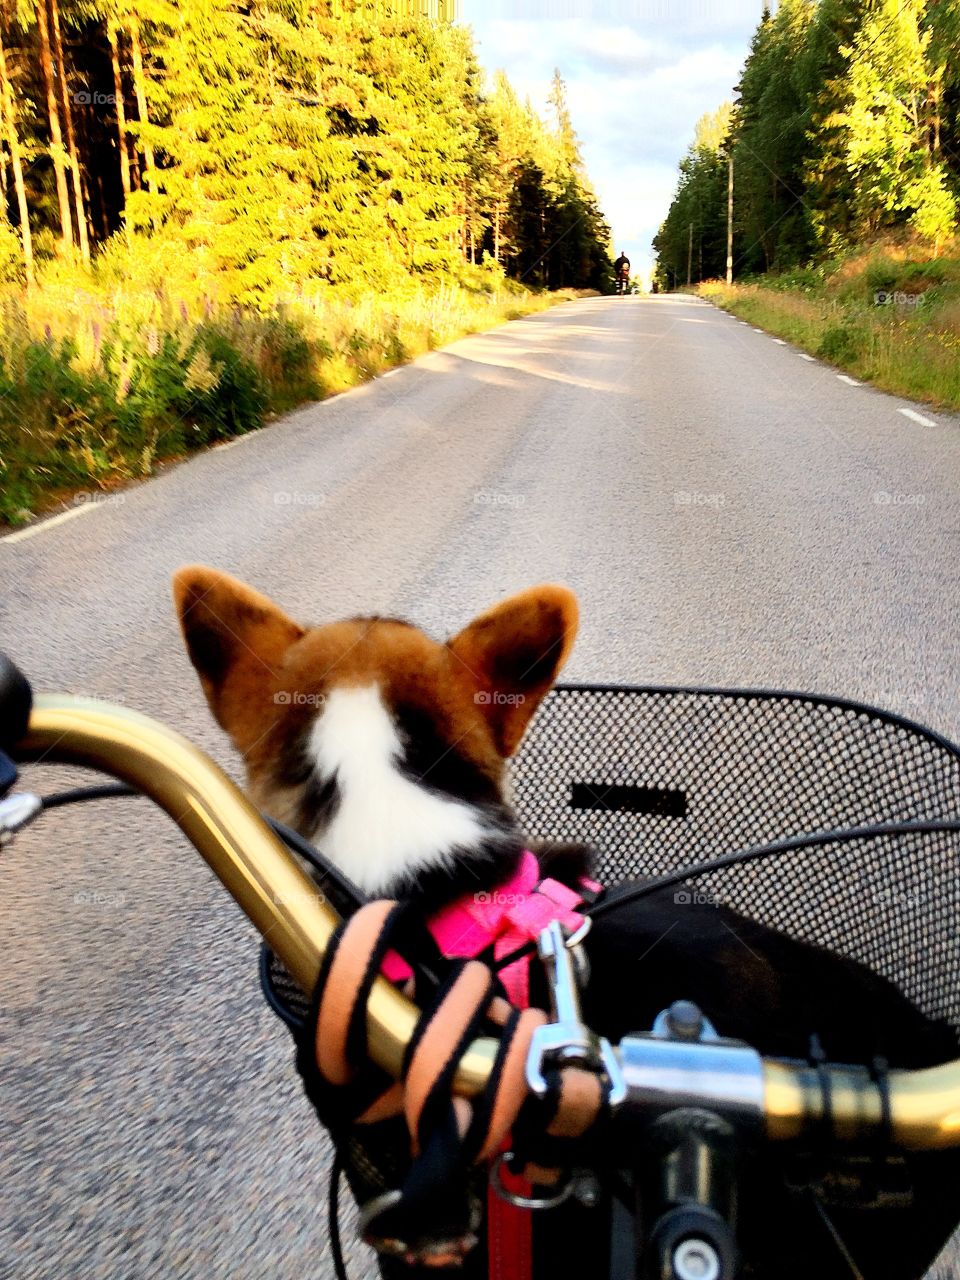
{"x":41,"y":525}
{"x":851,"y":382}
{"x":918,"y":417}
{"x":804,"y":356}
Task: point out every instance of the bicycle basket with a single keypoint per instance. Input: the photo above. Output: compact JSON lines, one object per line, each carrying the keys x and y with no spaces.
{"x":660,"y":778}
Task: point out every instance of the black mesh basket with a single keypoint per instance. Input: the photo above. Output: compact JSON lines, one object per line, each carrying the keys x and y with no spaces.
{"x":661,"y":779}
{"x":657,"y":779}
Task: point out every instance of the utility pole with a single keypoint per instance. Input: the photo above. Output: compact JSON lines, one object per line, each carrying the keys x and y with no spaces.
{"x":690,"y":257}
{"x":730,"y":220}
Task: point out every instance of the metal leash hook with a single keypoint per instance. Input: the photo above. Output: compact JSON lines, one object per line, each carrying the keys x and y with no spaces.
{"x":567,"y":1040}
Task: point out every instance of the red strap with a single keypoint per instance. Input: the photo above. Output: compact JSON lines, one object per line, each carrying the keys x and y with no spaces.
{"x":509,"y":1230}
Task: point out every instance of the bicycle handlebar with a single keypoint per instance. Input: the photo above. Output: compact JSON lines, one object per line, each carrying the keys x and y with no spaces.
{"x":286,"y":907}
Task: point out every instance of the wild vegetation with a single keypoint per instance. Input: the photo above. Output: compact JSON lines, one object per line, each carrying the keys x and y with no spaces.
{"x":215,"y":211}
{"x":845,"y":148}
{"x":846,"y":127}
{"x":885,"y":314}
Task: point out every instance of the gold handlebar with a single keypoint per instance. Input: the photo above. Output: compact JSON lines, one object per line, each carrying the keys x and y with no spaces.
{"x":252,"y":863}
{"x":284,"y":904}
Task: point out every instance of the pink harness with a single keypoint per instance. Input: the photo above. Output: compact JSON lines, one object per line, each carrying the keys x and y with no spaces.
{"x":509,"y":916}
{"x":512,"y":914}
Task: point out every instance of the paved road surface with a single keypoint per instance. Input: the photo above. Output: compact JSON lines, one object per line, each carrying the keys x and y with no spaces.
{"x":728,"y":511}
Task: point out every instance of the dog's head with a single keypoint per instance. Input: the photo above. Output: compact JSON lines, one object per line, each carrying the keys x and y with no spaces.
{"x":384,"y":746}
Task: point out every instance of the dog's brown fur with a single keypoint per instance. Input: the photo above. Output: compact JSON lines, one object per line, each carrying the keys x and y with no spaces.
{"x":264,"y":675}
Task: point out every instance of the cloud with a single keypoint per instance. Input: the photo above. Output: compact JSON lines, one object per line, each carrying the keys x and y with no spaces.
{"x":639,"y":75}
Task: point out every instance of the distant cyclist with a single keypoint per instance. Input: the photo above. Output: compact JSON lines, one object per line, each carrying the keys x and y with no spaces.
{"x":622,"y":269}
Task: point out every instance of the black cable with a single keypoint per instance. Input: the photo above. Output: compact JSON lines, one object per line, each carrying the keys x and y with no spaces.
{"x":349,"y":896}
{"x":285,"y":1014}
{"x":79,"y":795}
{"x":818,"y":1060}
{"x":350,"y":899}
{"x":880,"y":1075}
{"x":813,"y":840}
{"x":333,"y":1216}
{"x":835,"y":1236}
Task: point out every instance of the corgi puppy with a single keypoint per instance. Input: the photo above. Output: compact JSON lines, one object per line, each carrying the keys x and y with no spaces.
{"x":384,"y":748}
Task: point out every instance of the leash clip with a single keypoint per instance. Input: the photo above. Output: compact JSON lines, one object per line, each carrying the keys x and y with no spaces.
{"x":567,"y":1040}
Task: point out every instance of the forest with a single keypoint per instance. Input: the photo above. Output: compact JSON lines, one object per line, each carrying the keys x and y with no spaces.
{"x":214,"y":211}
{"x":845,"y":129}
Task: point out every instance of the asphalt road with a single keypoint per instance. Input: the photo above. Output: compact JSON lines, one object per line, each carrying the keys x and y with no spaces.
{"x":729,"y":513}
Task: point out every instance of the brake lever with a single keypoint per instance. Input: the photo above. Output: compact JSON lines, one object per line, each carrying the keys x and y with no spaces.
{"x":567,"y":1040}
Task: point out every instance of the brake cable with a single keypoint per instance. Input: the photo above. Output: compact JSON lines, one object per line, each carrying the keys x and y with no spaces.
{"x":348,"y":894}
{"x":847,"y":835}
{"x":595,"y":910}
{"x":79,"y":795}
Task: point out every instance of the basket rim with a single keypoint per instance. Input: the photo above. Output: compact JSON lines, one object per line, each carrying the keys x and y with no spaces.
{"x":783,"y":695}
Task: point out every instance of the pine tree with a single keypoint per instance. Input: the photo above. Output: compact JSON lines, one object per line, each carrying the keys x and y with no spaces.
{"x":11,"y":135}
{"x":57,"y":151}
{"x":281,"y":143}
{"x":771,"y":145}
{"x":889,"y":146}
{"x":80,"y":205}
{"x":697,"y":216}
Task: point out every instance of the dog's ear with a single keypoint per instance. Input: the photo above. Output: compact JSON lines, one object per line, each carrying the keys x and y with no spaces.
{"x":236,"y":639}
{"x":514,"y":652}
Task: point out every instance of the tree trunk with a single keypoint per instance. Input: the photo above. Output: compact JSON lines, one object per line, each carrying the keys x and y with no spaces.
{"x":935,"y":98}
{"x":78,"y":199}
{"x":13,"y":144}
{"x":496,"y":233}
{"x":56,"y":136}
{"x":140,"y":88}
{"x":120,"y":108}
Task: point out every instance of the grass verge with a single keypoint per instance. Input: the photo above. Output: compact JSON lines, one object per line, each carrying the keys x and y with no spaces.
{"x":887,"y":316}
{"x":104,"y":376}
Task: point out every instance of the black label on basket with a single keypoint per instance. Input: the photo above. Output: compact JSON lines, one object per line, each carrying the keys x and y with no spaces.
{"x":659,"y":801}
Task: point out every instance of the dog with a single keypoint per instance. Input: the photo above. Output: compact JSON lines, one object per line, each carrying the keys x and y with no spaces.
{"x":389,"y":750}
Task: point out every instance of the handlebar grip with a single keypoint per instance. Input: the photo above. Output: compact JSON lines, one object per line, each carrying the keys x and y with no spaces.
{"x":16,"y":701}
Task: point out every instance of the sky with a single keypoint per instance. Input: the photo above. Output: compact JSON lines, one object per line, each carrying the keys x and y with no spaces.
{"x":639,"y":74}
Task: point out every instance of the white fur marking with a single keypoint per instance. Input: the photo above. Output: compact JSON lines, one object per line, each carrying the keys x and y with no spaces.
{"x":385,"y":824}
